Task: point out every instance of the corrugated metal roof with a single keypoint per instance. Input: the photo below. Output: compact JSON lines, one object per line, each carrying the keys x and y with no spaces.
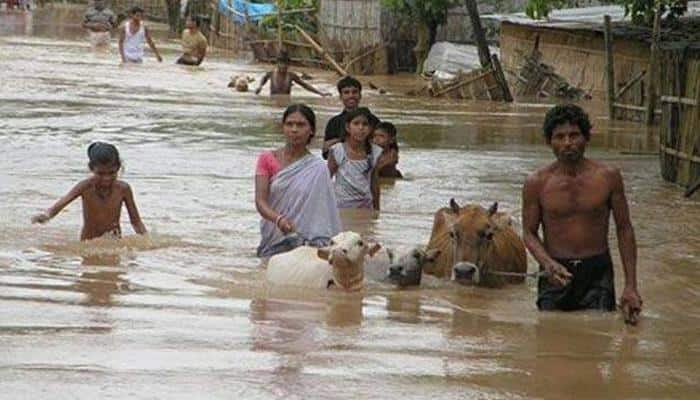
{"x":579,"y":18}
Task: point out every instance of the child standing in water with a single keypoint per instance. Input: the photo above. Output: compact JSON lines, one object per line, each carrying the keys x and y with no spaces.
{"x":385,"y":137}
{"x":355,"y":163}
{"x":102,"y":196}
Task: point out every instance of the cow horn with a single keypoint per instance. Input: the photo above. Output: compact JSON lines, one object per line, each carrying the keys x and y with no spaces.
{"x":454,"y":206}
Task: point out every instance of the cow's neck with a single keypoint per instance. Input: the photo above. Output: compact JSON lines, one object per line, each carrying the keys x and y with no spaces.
{"x":348,"y":277}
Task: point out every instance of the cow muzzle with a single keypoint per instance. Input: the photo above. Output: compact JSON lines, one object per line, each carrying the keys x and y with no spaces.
{"x":466,"y":272}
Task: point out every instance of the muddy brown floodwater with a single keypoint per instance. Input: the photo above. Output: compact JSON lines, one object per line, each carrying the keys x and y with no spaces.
{"x":184,"y":315}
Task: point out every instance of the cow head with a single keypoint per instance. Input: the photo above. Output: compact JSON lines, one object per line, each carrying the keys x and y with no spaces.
{"x":471,"y":230}
{"x":346,"y":254}
{"x":408,"y":269}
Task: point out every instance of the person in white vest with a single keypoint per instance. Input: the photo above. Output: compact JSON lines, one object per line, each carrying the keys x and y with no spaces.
{"x":133,"y":36}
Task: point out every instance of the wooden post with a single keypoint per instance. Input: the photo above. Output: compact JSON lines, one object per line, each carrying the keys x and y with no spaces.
{"x":692,"y":188}
{"x":479,"y":36}
{"x":610,"y":67}
{"x":279,"y":27}
{"x":501,"y":77}
{"x":651,"y":77}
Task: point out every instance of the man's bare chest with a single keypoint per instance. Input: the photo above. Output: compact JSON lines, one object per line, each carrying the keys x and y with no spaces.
{"x":567,"y":197}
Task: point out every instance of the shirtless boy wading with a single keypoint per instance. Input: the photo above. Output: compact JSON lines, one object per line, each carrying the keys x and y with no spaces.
{"x":572,"y":198}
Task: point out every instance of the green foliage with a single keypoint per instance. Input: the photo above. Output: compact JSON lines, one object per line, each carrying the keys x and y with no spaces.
{"x":642,"y":11}
{"x":304,"y":20}
{"x":539,"y":9}
{"x":430,"y":12}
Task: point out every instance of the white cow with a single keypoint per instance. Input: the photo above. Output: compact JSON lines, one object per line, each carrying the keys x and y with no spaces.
{"x":340,"y":265}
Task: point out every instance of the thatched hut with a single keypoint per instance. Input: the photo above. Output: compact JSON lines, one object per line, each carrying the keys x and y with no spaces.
{"x":680,"y":105}
{"x":365,"y":37}
{"x":572,"y":42}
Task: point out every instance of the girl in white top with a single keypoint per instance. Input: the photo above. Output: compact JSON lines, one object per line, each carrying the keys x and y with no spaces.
{"x":355,"y":163}
{"x":131,"y":39}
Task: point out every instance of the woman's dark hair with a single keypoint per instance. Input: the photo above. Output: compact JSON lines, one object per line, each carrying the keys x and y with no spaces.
{"x":564,"y":113}
{"x":349,"y":81}
{"x":135,"y":9}
{"x":362,"y":112}
{"x":304,"y":110}
{"x":101,"y":153}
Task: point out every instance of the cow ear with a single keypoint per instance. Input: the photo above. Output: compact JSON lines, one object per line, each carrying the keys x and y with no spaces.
{"x":323,"y":253}
{"x":374,"y":249}
{"x":493,"y":208}
{"x":431,"y":254}
{"x":454,"y":206}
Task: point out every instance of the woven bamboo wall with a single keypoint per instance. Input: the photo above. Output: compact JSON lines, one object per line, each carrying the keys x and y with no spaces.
{"x":680,"y":119}
{"x":576,"y":55}
{"x":348,"y":24}
{"x":155,"y":9}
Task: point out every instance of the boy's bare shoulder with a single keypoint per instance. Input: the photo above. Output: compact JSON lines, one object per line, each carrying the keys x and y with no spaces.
{"x":122,"y":186}
{"x":84,"y":185}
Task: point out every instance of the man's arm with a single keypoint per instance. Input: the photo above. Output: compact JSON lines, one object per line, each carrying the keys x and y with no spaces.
{"x":263,"y":81}
{"x":122,"y":34}
{"x":331,"y":136}
{"x":202,"y":52}
{"x":630,"y":300}
{"x":532,"y":218}
{"x":374,"y":188}
{"x":295,"y":78}
{"x":151,"y":44}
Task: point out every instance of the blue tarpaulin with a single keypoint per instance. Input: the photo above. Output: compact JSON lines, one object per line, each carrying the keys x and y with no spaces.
{"x":237,"y":9}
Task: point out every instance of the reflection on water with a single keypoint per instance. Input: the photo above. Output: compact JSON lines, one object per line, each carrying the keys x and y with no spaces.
{"x":183,"y":312}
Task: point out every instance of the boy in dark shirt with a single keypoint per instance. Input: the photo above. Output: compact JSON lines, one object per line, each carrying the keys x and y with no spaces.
{"x":350,"y":91}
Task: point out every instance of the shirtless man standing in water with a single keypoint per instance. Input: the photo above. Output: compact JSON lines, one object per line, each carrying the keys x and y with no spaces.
{"x":572,"y":198}
{"x":281,"y":79}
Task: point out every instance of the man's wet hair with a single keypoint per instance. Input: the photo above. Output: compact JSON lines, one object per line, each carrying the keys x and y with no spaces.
{"x":197,"y":20}
{"x":101,"y":153}
{"x":283,"y":57}
{"x":136,"y":9}
{"x":387,"y":127}
{"x":349,"y":81}
{"x":563,"y":113}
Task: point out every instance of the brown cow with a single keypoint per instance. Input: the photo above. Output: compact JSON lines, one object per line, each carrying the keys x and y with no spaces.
{"x":481,"y":237}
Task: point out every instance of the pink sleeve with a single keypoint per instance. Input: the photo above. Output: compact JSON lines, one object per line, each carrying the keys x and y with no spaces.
{"x":267,"y":164}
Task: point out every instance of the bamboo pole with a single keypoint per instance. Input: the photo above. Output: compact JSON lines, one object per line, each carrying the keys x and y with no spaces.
{"x":479,"y":36}
{"x":653,"y":69}
{"x":460,"y":84}
{"x":629,"y":84}
{"x":501,"y":78}
{"x":363,"y":55}
{"x":610,"y":67}
{"x":320,"y":50}
{"x":279,"y":27}
{"x":692,"y":188}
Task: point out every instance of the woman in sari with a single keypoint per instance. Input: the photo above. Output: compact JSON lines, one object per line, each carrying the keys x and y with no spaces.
{"x":293,"y":190}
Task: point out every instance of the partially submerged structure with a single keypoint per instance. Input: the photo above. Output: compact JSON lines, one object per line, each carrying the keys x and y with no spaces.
{"x":680,"y":114}
{"x":572,"y":42}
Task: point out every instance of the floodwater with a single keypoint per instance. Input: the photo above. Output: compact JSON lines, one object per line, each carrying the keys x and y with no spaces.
{"x":184,"y":314}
